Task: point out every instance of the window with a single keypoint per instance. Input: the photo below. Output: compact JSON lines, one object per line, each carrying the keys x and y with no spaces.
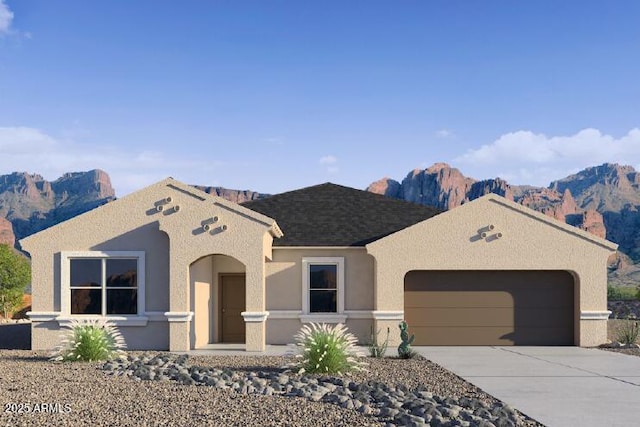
{"x":323,"y":288}
{"x":323,"y":282}
{"x":103,"y":283}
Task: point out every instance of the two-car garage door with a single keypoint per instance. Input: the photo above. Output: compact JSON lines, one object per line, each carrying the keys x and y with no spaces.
{"x":490,"y":307}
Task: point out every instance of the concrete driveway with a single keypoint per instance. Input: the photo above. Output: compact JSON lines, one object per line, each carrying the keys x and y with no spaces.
{"x":558,"y":386}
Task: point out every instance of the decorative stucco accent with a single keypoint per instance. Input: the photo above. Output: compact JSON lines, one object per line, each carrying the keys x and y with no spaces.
{"x":43,"y":316}
{"x":296,"y":314}
{"x":255,"y":316}
{"x":179,"y":316}
{"x":114,"y":320}
{"x":50,"y":316}
{"x":595,"y":315}
{"x":359,"y":314}
{"x":284,"y":314}
{"x":323,"y":318}
{"x":388,"y":315}
{"x":156,"y":316}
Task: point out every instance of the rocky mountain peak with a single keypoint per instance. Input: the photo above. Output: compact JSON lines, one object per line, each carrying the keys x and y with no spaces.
{"x":437,"y":167}
{"x":439,"y":185}
{"x":236,"y":196}
{"x":96,"y":183}
{"x":32,"y":203}
{"x":386,"y":186}
{"x":550,"y":202}
{"x":606,"y":187}
{"x":445,"y":187}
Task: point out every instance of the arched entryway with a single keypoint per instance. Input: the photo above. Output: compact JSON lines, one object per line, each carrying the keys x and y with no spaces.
{"x":218,"y":297}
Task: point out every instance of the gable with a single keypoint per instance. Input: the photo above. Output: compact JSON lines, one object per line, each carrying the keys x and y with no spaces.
{"x":166,"y":201}
{"x":515,"y":237}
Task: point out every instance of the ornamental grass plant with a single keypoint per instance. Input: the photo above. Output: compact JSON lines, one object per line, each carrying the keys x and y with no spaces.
{"x":326,"y":349}
{"x":89,"y":340}
{"x":377,"y":349}
{"x":628,"y":331}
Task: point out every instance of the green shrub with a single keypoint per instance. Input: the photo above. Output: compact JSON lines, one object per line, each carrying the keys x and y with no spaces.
{"x":15,"y":274}
{"x":375,"y":348}
{"x":326,"y":349}
{"x":89,"y":340}
{"x":627,"y":331}
{"x":621,"y":293}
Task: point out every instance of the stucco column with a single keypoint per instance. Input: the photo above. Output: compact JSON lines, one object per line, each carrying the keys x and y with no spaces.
{"x":179,"y":316}
{"x":592,"y":308}
{"x":255,"y":315}
{"x":388,"y":303}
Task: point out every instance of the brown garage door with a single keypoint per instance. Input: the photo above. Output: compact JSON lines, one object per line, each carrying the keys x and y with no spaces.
{"x":490,"y":307}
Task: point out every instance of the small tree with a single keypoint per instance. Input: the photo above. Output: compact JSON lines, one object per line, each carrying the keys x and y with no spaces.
{"x":15,"y":275}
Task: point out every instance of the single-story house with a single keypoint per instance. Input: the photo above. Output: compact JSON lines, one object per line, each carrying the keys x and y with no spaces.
{"x":176,"y":268}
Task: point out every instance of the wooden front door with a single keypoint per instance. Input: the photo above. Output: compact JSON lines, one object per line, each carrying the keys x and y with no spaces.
{"x":232,"y":299}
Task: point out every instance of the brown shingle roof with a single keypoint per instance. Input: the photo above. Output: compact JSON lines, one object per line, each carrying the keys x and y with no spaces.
{"x":334,"y":215}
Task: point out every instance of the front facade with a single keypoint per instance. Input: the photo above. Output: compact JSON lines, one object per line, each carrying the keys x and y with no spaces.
{"x":178,"y":269}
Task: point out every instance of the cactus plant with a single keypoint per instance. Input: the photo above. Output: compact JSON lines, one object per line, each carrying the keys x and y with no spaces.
{"x":404,"y":349}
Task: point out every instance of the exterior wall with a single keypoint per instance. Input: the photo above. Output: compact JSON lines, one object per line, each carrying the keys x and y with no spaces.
{"x":99,"y":235}
{"x":529,"y":241}
{"x":283,"y":331}
{"x":201,"y":275}
{"x":154,"y":336}
{"x":135,"y":223}
{"x":284,"y":291}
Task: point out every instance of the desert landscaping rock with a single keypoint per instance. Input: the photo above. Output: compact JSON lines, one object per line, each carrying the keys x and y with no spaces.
{"x":393,"y":405}
{"x":241,"y":391}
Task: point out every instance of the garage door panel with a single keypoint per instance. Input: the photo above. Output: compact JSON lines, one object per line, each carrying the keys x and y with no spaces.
{"x":496,"y":335}
{"x":490,"y":307}
{"x":490,"y":299}
{"x":464,"y":299}
{"x":498,"y":316}
{"x":453,"y":335}
{"x":462,"y":317}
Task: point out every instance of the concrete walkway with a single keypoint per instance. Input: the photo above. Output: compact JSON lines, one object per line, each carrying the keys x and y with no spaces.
{"x":558,"y":386}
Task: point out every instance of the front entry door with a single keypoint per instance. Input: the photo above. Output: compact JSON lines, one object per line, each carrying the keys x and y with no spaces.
{"x":232,"y":298}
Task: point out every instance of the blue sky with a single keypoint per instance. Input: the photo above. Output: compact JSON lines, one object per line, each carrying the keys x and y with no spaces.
{"x":277,"y":95}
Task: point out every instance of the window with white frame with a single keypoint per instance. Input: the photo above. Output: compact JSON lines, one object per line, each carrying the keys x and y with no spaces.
{"x":323,"y":282}
{"x":103,"y":283}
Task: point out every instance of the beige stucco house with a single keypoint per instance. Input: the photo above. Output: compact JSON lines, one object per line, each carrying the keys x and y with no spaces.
{"x":176,"y":268}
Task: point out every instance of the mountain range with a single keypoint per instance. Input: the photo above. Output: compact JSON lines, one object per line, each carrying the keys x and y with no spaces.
{"x":603,"y":200}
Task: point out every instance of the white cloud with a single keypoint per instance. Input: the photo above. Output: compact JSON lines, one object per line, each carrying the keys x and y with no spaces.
{"x":524,"y":157}
{"x":31,"y":150}
{"x":330,"y":162}
{"x":444,"y":134}
{"x":6,"y":17}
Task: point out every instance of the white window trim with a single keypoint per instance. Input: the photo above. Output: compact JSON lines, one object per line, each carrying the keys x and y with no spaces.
{"x":65,"y":292}
{"x":307,"y":316}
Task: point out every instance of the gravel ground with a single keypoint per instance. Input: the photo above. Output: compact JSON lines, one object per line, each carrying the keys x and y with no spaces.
{"x":29,"y":380}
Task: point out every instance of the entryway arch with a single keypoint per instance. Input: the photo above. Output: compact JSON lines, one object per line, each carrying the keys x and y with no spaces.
{"x":218,"y":297}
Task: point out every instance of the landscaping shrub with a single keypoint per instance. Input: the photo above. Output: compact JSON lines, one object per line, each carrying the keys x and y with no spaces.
{"x":89,"y":340}
{"x":326,"y":349}
{"x":377,"y":349}
{"x":621,"y":293}
{"x":627,"y":331}
{"x":15,"y":275}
